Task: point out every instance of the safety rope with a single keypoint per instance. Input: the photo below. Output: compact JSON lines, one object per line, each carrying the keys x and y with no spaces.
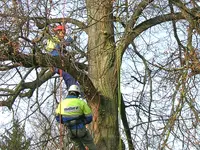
{"x":61,"y":72}
{"x":62,"y":130}
{"x":60,"y":86}
{"x":118,"y":80}
{"x":119,"y":95}
{"x":96,"y":113}
{"x":61,"y":126}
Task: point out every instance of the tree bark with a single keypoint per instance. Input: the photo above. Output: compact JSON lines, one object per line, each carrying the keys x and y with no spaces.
{"x":103,"y":72}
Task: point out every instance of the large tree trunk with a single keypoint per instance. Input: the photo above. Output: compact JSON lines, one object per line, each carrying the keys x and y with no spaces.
{"x":102,"y":72}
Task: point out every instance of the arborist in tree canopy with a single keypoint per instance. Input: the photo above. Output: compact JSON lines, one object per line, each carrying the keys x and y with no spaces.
{"x":75,"y":114}
{"x":56,"y":44}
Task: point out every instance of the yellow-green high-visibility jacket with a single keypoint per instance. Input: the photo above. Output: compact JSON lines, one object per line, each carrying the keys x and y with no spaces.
{"x":73,"y":108}
{"x":51,"y":43}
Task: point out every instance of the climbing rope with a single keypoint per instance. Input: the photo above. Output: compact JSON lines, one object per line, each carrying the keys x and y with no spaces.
{"x":60,"y":86}
{"x":61,"y":126}
{"x":62,"y":130}
{"x":118,"y":80}
{"x":61,"y":72}
{"x":96,"y":114}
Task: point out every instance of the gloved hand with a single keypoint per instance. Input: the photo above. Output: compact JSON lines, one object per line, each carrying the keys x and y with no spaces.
{"x":58,"y":119}
{"x":57,"y":47}
{"x":69,"y":40}
{"x":75,"y":37}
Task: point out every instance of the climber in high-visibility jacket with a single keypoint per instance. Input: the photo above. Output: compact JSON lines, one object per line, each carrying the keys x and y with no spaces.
{"x":56,"y":44}
{"x":75,"y":114}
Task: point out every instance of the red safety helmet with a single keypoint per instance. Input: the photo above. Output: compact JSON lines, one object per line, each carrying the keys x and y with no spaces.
{"x":59,"y":28}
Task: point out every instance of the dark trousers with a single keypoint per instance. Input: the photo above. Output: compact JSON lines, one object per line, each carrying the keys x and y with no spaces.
{"x":82,"y":138}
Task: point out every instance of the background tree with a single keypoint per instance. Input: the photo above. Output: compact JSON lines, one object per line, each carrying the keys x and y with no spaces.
{"x":16,"y":139}
{"x":157,"y":41}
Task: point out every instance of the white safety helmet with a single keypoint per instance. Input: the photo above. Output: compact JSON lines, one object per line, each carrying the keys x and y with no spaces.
{"x":74,"y":88}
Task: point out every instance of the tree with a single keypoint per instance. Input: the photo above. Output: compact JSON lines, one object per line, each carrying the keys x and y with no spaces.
{"x":16,"y":139}
{"x":112,"y":29}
